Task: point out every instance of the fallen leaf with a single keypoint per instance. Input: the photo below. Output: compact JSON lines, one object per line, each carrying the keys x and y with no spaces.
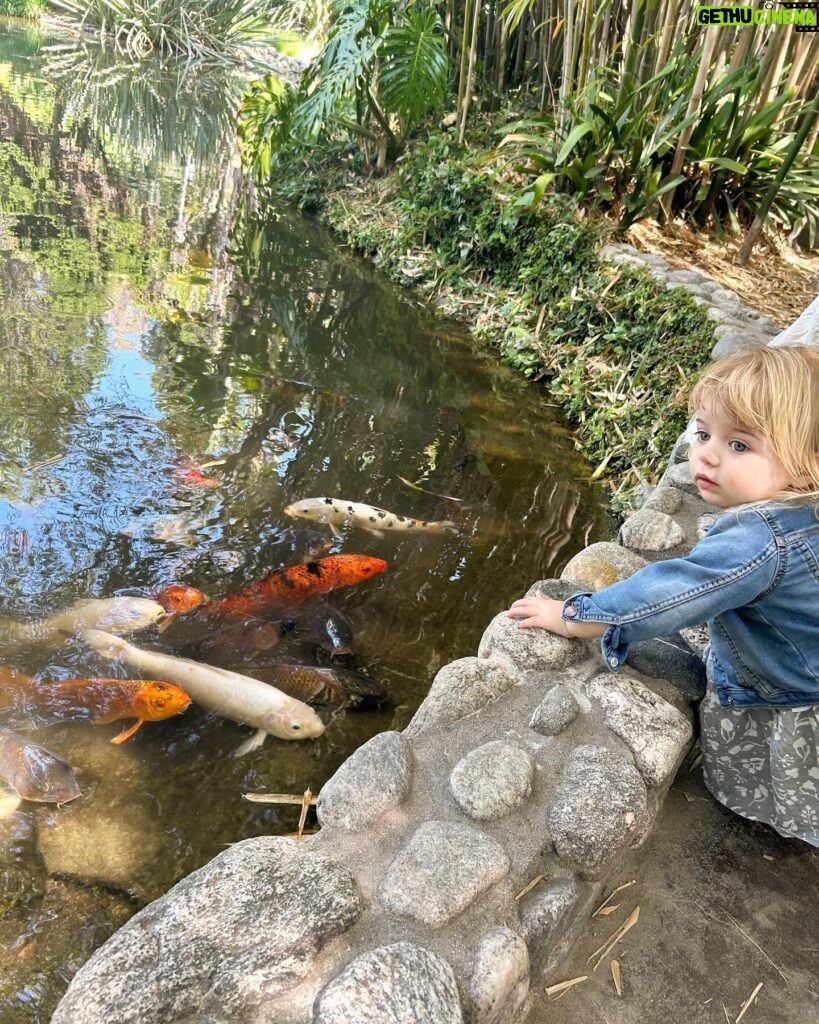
{"x":615,"y":974}
{"x":615,"y":937}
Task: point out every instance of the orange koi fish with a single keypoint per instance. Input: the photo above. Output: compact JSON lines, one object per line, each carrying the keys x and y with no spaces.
{"x":280,"y":590}
{"x":102,"y":699}
{"x":193,"y":475}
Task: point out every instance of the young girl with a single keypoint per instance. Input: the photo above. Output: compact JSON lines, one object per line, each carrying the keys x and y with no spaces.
{"x":754,"y":578}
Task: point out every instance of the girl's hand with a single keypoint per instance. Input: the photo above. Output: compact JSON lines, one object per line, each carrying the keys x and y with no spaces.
{"x":548,"y":614}
{"x":539,"y":611}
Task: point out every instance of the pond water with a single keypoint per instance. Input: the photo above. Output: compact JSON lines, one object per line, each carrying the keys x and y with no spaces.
{"x":146,"y":330}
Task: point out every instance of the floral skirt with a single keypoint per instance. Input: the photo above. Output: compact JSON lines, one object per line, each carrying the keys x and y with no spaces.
{"x":763,"y":763}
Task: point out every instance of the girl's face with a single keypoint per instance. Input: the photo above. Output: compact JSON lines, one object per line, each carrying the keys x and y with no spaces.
{"x":730,"y":465}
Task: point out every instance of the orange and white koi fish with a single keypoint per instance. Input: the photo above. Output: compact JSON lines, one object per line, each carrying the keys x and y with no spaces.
{"x":193,"y":475}
{"x":336,"y":512}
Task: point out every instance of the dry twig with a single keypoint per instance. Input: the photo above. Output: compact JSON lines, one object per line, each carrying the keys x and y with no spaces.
{"x":614,"y":938}
{"x":614,"y":892}
{"x":563,"y":986}
{"x":530,"y":886}
{"x":748,"y":1002}
{"x":277,"y":798}
{"x":753,"y":942}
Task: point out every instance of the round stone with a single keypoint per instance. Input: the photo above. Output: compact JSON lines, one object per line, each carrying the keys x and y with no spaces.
{"x":442,"y":870}
{"x":649,"y":530}
{"x":398,"y":984}
{"x":374,"y":779}
{"x":601,"y":564}
{"x":492,"y":780}
{"x":557,"y":710}
{"x":500,"y":978}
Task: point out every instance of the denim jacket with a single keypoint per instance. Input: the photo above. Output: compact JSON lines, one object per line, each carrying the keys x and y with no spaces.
{"x":754,"y":578}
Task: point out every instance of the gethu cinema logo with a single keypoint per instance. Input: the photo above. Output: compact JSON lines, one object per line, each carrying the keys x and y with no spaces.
{"x":803,"y":16}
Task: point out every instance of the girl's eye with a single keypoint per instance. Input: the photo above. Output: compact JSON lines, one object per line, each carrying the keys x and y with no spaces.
{"x":701,"y":435}
{"x":739,"y":446}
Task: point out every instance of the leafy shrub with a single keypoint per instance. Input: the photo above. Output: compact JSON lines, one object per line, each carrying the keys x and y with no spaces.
{"x":619,"y":352}
{"x":22,"y":8}
{"x":613,"y":144}
{"x":441,"y":192}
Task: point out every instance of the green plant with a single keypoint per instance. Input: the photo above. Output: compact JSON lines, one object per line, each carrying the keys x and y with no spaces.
{"x":32,"y":9}
{"x":442,"y":192}
{"x":382,"y":67}
{"x":612,"y":147}
{"x":214,"y":30}
{"x":618,"y":352}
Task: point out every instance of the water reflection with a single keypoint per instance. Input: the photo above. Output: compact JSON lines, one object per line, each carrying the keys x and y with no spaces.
{"x":141,"y":334}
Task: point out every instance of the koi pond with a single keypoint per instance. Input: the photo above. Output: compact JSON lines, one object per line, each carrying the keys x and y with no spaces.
{"x":176,"y":373}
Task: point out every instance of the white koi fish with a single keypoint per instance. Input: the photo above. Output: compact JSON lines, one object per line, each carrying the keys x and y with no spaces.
{"x":116,"y":614}
{"x":228,"y":694}
{"x":336,"y":512}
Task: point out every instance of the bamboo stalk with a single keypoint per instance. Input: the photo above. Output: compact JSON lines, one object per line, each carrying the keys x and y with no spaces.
{"x":693,"y":103}
{"x":470,"y":76}
{"x":462,"y":68}
{"x":568,"y":46}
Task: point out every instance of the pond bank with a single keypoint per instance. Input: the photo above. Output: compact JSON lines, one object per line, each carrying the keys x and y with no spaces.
{"x":593,"y":321}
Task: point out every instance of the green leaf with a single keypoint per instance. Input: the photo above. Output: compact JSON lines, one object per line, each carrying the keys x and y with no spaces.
{"x":414,"y":64}
{"x":727,"y":164}
{"x":572,"y":139}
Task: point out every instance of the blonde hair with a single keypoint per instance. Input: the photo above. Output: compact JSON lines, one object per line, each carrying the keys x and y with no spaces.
{"x":773,"y":393}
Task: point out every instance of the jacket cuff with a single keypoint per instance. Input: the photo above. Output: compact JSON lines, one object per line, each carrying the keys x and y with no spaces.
{"x":581,"y":607}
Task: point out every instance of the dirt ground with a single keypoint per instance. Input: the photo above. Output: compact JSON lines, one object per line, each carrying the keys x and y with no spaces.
{"x":778,"y":281}
{"x":727,"y":929}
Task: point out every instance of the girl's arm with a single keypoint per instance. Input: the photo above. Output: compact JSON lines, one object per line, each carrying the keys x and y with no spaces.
{"x":548,"y":614}
{"x":737,"y":560}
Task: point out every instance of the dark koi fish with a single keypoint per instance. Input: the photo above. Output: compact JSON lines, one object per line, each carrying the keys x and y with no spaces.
{"x":245,"y":639}
{"x":101,"y":699}
{"x":280,"y":590}
{"x":316,"y":685}
{"x":33,"y":772}
{"x":326,"y":626}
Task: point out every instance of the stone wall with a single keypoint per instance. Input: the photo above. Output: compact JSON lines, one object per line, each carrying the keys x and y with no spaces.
{"x":458,"y":860}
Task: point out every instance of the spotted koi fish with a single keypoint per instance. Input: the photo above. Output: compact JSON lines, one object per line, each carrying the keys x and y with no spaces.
{"x":336,"y":512}
{"x":280,"y":590}
{"x":101,"y":699}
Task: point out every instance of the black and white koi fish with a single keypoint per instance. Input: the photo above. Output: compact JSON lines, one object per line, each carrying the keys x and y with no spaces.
{"x":336,"y":512}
